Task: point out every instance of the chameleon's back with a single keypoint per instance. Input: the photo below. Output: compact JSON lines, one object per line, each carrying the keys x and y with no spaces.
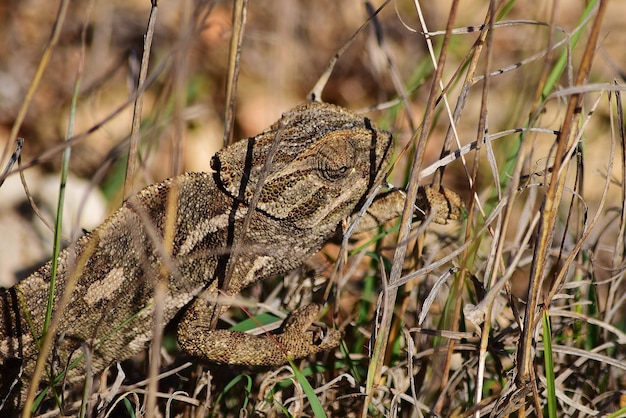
{"x":114,"y":271}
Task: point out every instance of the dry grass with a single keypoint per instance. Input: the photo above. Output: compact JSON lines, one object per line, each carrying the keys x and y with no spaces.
{"x":519,"y":309}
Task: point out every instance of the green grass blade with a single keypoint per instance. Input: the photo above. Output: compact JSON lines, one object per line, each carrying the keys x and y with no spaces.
{"x":316,"y":405}
{"x":549,"y":365}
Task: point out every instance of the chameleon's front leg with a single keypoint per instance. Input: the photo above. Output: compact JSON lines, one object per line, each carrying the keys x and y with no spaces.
{"x":444,"y":205}
{"x":295,"y":340}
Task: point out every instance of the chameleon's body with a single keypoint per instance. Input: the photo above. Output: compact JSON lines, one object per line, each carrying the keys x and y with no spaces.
{"x":181,"y":232}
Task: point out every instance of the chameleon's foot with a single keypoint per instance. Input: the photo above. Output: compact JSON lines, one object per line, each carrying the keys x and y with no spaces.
{"x":296,"y":340}
{"x":443,"y":204}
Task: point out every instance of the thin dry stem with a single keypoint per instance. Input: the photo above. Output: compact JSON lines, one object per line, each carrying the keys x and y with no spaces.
{"x":550,"y":205}
{"x":374,"y":374}
{"x":133,"y":152}
{"x":240,"y":10}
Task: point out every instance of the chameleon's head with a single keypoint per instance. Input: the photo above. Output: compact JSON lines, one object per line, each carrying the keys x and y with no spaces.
{"x":327,"y":161}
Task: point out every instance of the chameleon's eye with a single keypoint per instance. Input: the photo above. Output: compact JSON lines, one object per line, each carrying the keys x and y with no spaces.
{"x":334,"y":173}
{"x":335,"y":161}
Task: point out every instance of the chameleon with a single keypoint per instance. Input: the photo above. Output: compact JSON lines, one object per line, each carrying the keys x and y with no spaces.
{"x":271,"y":202}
